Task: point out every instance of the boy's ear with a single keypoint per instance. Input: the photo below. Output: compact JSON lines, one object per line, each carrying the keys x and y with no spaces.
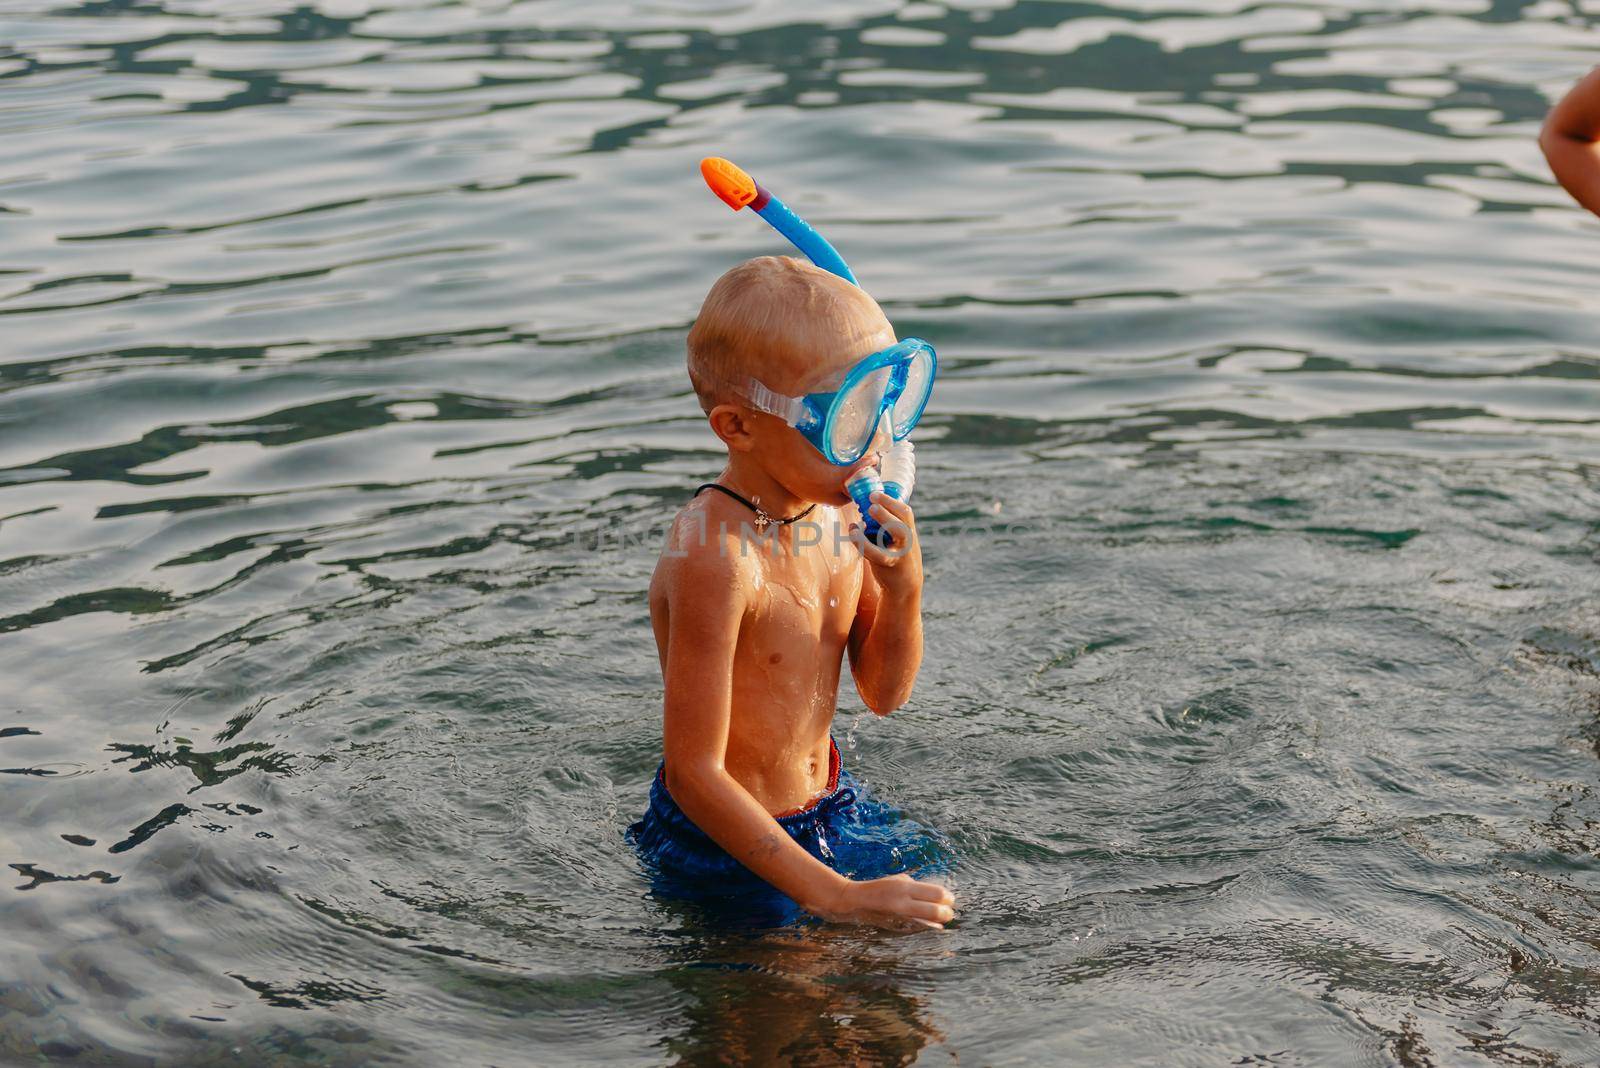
{"x":731,"y":423}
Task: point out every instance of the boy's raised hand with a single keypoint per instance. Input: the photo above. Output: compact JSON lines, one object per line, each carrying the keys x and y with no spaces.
{"x":895,"y":903}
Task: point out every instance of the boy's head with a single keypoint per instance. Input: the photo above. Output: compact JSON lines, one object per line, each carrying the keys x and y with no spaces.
{"x":796,"y":329}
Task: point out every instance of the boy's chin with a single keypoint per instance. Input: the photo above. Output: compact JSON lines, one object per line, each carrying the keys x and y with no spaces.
{"x":822,"y":496}
{"x":818,"y":494}
{"x":830,"y":491}
{"x":817,"y":486}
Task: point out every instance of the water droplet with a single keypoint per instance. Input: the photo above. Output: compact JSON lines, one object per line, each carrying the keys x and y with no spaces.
{"x":833,"y":602}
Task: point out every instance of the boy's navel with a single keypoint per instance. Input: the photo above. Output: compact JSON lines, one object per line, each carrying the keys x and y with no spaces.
{"x":774,"y":658}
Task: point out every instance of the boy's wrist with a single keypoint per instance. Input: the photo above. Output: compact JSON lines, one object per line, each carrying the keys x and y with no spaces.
{"x":829,"y":899}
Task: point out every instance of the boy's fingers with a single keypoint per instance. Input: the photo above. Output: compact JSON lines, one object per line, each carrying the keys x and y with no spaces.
{"x":886,"y":518}
{"x":901,"y":510}
{"x":878,"y":555}
{"x":898,"y":528}
{"x":875,"y":554}
{"x":888,"y":510}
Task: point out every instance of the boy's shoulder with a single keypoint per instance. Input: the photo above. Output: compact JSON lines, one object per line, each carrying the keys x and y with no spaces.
{"x":708,"y":543}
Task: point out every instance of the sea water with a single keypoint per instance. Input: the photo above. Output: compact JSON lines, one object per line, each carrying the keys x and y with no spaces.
{"x":343,"y":413}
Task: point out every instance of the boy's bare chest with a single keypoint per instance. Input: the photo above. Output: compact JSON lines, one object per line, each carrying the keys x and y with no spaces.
{"x":805,"y":596}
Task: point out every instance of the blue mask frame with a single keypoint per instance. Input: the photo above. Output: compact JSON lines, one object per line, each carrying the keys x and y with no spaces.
{"x":815,"y":414}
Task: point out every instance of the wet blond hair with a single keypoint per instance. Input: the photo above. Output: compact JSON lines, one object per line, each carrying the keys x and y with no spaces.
{"x":770,"y":319}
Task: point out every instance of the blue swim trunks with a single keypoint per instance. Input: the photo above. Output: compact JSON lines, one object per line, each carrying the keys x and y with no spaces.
{"x":850,"y":831}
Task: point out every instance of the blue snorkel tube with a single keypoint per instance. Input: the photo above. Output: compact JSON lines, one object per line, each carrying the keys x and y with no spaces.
{"x":735,"y":188}
{"x":800,"y":234}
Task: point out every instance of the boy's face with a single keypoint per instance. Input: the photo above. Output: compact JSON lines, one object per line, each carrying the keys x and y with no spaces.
{"x":818,"y":362}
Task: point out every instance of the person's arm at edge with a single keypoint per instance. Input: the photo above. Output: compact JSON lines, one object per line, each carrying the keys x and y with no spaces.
{"x":1569,"y":141}
{"x":886,"y":637}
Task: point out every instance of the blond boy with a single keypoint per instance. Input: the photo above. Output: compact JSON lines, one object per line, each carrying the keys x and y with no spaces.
{"x":765,"y":585}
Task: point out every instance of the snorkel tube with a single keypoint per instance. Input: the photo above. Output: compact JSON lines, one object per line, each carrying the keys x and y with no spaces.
{"x":735,"y":188}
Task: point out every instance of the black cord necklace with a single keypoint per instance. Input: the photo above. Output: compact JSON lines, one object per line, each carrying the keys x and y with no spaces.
{"x":762,"y":518}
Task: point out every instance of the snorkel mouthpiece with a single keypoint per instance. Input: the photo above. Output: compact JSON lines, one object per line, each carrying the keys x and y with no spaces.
{"x":861,"y":488}
{"x":899,"y":475}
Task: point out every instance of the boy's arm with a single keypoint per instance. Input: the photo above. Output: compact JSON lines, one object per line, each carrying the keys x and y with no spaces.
{"x":705,"y":608}
{"x":1569,"y":141}
{"x":886,"y":638}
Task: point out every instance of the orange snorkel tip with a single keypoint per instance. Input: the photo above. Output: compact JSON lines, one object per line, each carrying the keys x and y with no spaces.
{"x":728,"y":181}
{"x":737,"y":189}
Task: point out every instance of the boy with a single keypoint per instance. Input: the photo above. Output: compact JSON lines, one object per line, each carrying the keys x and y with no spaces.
{"x":761,"y":591}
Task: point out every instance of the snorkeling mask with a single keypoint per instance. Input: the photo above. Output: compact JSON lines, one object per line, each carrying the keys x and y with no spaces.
{"x":894,"y":383}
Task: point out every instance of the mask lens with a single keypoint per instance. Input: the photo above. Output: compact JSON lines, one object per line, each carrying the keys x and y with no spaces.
{"x":919,"y":383}
{"x":855,"y":417}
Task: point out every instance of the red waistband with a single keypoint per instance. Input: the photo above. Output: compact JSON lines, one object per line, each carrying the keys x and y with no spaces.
{"x":833,"y":783}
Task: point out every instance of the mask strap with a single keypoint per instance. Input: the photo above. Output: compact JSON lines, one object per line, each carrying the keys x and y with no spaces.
{"x":791,"y":410}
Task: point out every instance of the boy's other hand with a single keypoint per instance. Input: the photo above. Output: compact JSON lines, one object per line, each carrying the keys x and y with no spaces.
{"x":895,"y":903}
{"x":898,"y":568}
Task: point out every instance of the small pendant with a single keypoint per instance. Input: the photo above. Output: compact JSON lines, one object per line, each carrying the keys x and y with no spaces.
{"x":763,"y":520}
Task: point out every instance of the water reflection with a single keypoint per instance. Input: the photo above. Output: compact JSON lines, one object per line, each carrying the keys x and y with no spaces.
{"x":795,"y":998}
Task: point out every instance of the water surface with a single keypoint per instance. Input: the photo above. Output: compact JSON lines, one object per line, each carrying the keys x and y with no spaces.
{"x":342,"y":401}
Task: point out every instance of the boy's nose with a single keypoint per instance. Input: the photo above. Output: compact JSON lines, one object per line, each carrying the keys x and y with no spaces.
{"x":883,"y":437}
